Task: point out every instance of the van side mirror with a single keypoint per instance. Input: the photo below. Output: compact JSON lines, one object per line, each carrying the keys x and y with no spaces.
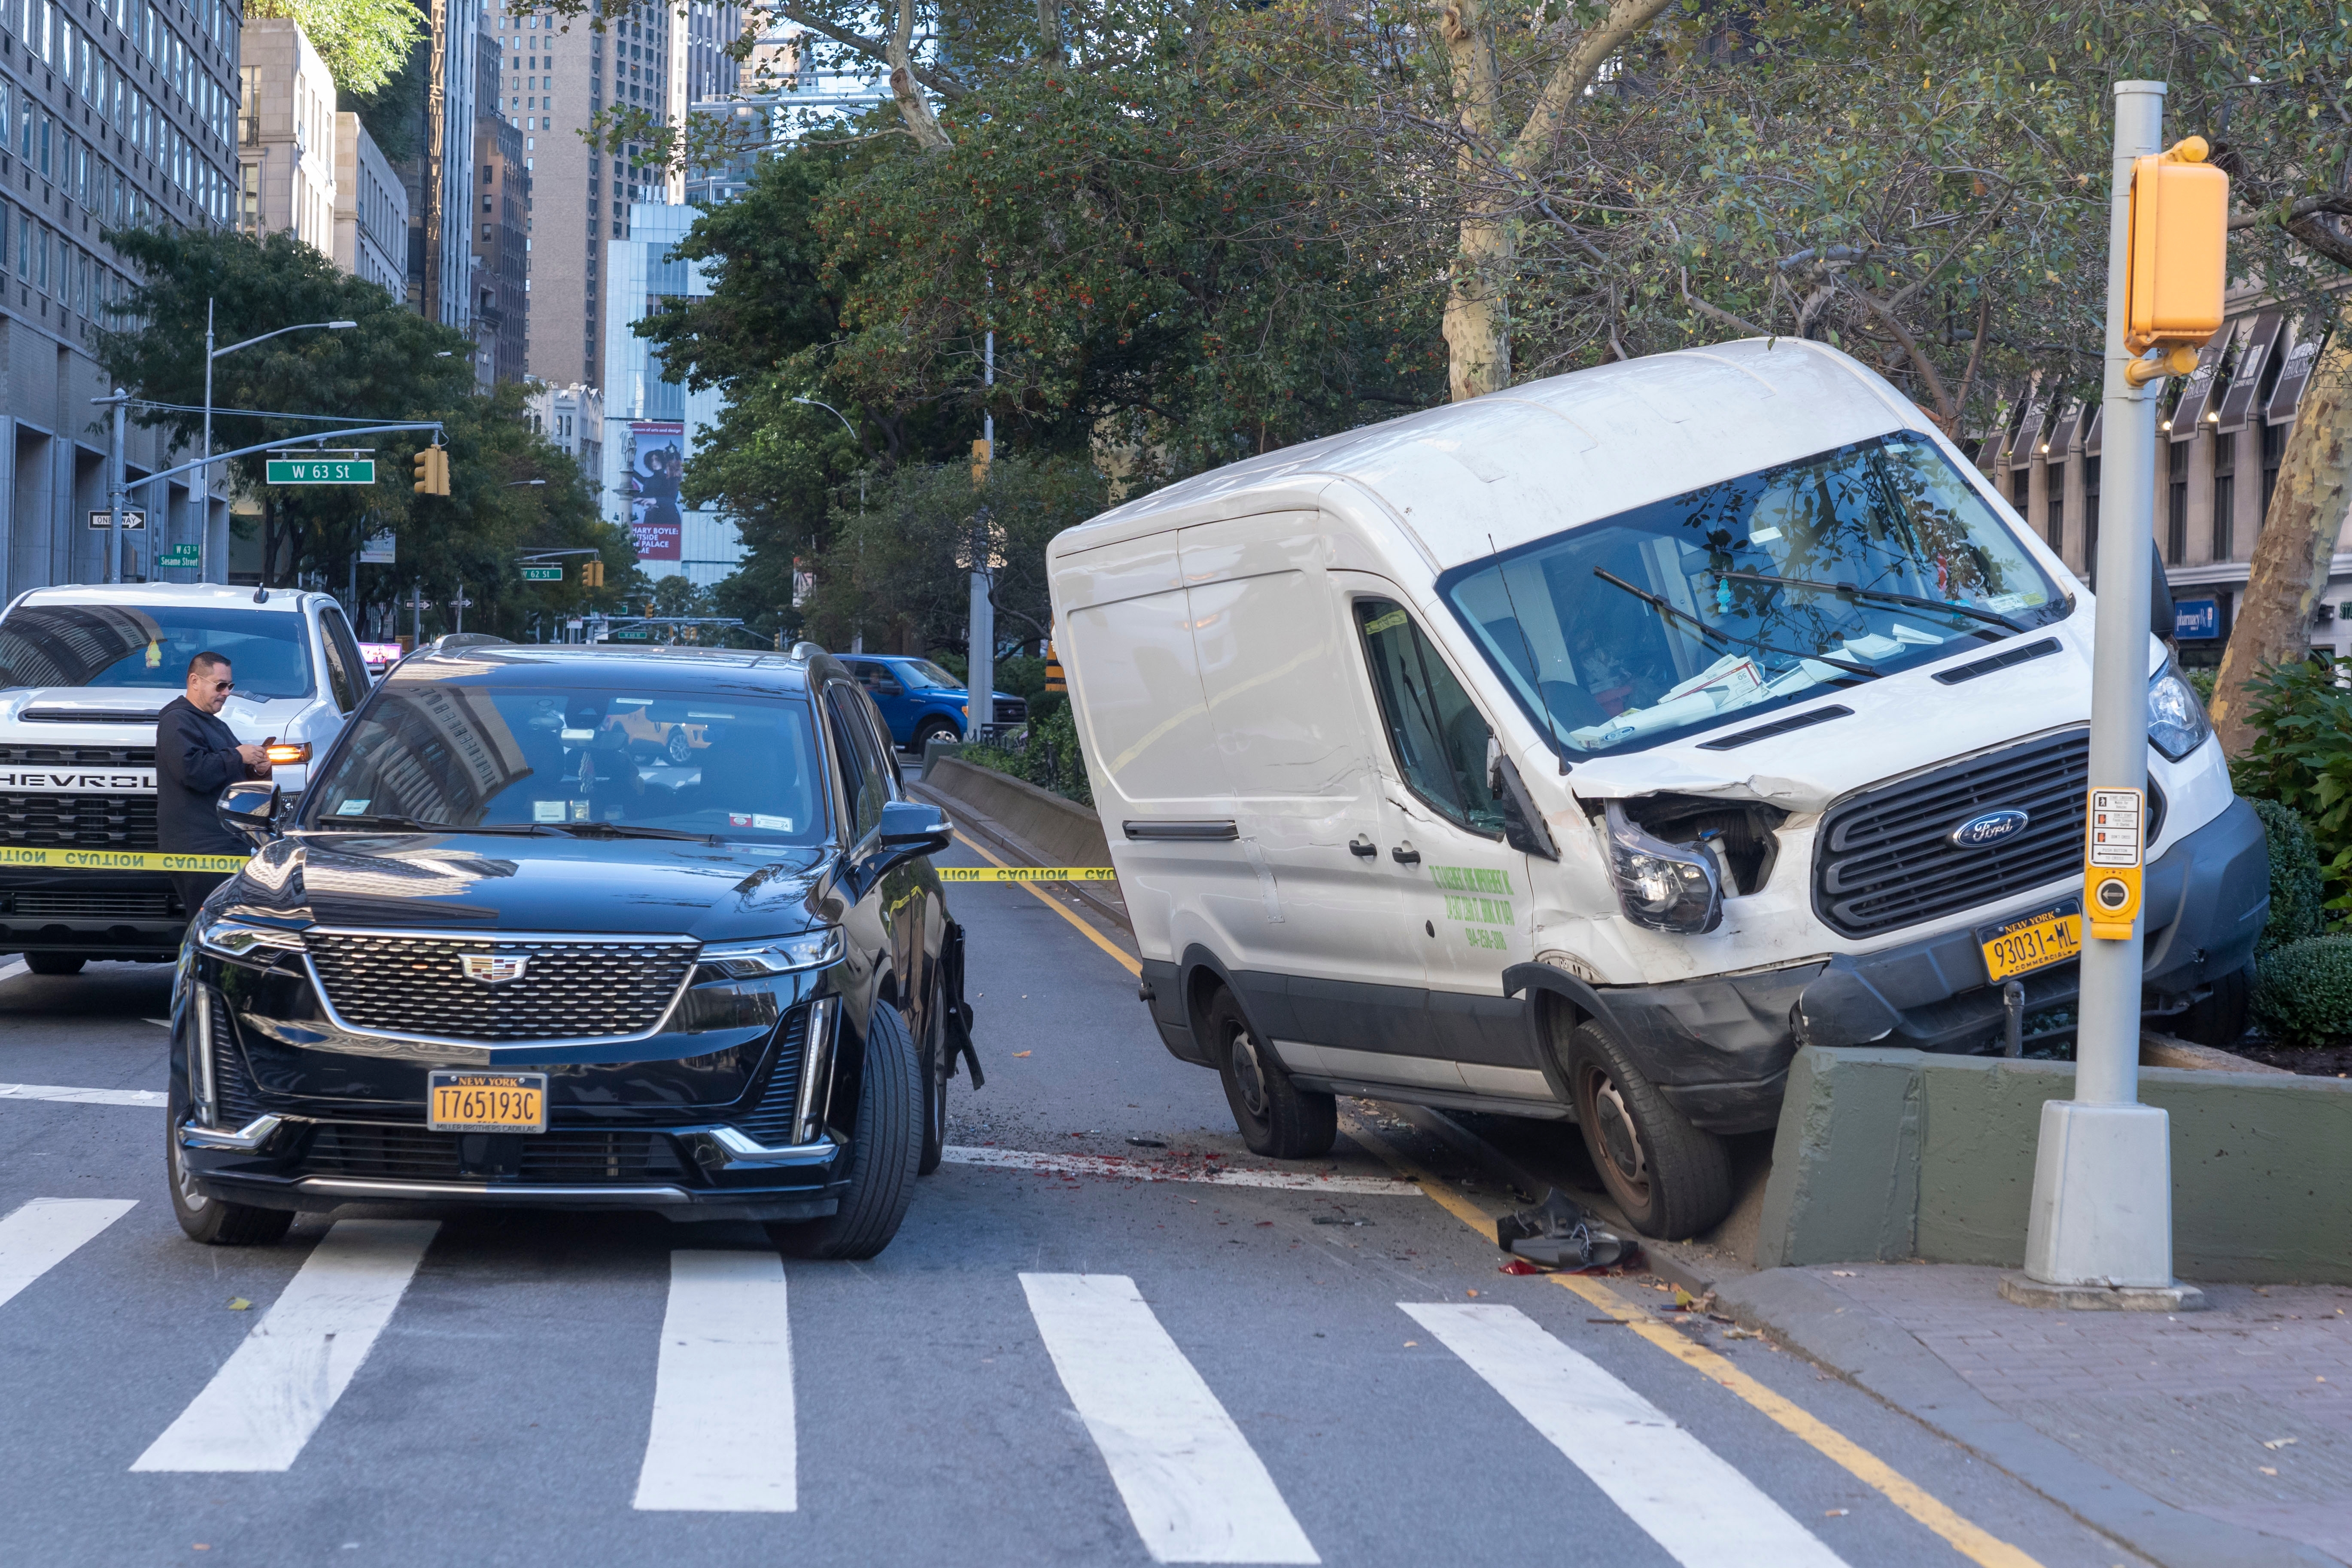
{"x":1523,"y":825}
{"x":249,"y":809}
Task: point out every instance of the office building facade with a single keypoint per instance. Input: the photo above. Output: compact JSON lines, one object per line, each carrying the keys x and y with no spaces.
{"x":2223,"y":434}
{"x":501,"y":208}
{"x":371,"y":210}
{"x":651,"y":423}
{"x":118,"y":114}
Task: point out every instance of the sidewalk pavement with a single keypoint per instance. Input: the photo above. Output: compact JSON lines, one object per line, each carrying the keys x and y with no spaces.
{"x":2207,"y":1439}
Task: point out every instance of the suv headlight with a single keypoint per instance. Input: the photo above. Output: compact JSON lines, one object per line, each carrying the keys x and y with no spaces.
{"x":236,"y":939}
{"x":1663,"y":886}
{"x":774,"y":955}
{"x":2176,"y":724}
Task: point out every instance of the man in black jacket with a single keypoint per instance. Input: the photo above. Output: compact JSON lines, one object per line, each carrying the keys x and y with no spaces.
{"x":196,"y":757}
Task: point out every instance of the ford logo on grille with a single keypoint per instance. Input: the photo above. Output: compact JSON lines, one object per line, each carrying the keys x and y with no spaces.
{"x":1984,"y":832}
{"x":494,"y":968}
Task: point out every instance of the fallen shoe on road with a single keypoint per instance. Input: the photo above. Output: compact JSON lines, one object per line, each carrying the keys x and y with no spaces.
{"x":1557,"y":1233}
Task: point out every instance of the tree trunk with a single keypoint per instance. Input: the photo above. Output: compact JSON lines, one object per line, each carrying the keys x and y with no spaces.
{"x":914,"y":109}
{"x":2297,"y":546}
{"x":1477,"y":327}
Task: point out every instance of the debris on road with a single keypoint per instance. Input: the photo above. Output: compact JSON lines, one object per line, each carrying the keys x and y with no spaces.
{"x":1557,"y":1233}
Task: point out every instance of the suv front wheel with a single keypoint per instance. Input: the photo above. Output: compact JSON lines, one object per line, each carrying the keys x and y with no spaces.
{"x":885,"y":1147}
{"x":213,"y":1220}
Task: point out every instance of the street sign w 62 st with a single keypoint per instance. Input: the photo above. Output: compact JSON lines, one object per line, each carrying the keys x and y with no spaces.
{"x":321,"y":471}
{"x":542,"y":573}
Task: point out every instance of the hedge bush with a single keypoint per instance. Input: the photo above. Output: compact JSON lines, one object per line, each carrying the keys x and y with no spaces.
{"x":2297,"y":888}
{"x":2302,"y":991}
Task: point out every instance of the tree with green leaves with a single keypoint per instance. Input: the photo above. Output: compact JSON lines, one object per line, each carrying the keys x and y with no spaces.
{"x":364,"y":43}
{"x":391,"y":366}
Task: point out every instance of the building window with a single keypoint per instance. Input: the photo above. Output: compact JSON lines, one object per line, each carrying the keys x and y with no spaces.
{"x":2176,"y":527}
{"x":2020,"y":489}
{"x":2273,"y":448}
{"x":248,"y":210}
{"x":2054,"y":493}
{"x":2090,"y":520}
{"x":2225,"y":497}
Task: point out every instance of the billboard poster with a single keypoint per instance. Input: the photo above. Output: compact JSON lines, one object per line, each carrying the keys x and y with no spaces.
{"x":657,"y":464}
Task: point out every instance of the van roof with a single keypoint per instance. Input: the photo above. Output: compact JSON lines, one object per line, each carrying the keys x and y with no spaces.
{"x":216,"y":594}
{"x":1467,"y":478}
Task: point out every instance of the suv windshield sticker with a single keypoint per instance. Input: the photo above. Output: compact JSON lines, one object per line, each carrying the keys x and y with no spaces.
{"x":353,"y":808}
{"x":550,"y":810}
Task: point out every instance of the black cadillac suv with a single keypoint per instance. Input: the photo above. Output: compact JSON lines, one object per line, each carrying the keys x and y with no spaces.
{"x":506,"y":951}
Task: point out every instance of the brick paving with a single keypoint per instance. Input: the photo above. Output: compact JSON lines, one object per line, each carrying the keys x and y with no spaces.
{"x":2242,"y":1412}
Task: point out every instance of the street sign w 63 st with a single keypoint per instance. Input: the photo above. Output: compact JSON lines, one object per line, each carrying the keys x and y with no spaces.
{"x":321,"y":471}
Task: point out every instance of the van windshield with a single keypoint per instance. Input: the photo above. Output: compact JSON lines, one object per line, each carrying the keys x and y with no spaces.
{"x":1748,"y":594}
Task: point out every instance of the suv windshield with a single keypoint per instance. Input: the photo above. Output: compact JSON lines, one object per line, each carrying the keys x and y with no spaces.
{"x":1651,"y":625}
{"x":437,"y":754}
{"x":150,"y":645}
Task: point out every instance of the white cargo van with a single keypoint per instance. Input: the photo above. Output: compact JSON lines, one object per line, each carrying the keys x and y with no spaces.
{"x":1581,"y":751}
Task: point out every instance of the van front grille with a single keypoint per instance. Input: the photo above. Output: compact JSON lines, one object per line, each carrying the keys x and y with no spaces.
{"x":1884,"y":858}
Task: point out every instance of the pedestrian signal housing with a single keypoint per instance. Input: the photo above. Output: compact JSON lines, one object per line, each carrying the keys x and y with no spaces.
{"x":2178,"y":259}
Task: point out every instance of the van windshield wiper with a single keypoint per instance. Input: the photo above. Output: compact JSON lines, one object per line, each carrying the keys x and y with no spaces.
{"x":1716,"y":633}
{"x":1883,"y":595}
{"x":628,"y":830}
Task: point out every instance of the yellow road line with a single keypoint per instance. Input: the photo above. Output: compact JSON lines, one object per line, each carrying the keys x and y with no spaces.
{"x":1092,"y":935}
{"x":1971,"y":1542}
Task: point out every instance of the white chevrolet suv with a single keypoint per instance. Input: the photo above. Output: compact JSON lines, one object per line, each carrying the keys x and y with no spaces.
{"x":83,"y":673}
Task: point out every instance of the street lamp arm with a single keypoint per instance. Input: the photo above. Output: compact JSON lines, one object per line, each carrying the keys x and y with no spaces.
{"x":837,"y":412}
{"x":300,"y":327}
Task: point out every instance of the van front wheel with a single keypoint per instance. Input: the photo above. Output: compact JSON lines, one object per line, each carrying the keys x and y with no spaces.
{"x":1276,"y":1118}
{"x":1672,"y":1180}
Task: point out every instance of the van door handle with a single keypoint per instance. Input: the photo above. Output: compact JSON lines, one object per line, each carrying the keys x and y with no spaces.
{"x":1405,"y":853}
{"x":1362,"y":846}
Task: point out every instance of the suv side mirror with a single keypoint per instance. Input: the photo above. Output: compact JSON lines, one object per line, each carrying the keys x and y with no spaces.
{"x":912,"y":828}
{"x":249,"y":809}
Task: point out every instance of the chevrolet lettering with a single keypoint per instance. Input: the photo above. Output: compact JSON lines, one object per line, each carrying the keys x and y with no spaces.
{"x":45,"y":781}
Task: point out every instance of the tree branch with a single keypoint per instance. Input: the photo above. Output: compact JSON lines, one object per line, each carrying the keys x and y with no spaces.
{"x":1549,"y":116}
{"x":1716,"y":313}
{"x":1947,"y":415}
{"x":872,"y":48}
{"x":2313,"y":221}
{"x":913,"y":107}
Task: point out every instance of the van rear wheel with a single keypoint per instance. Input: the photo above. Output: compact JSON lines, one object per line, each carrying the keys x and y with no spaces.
{"x":54,"y":963}
{"x":1672,"y":1180}
{"x":1276,"y":1118}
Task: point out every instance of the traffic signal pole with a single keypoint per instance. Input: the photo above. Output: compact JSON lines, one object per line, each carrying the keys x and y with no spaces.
{"x":2100,"y":1230}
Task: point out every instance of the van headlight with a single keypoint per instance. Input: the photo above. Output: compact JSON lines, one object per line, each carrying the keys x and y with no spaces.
{"x":1663,"y":886}
{"x":2176,"y":724}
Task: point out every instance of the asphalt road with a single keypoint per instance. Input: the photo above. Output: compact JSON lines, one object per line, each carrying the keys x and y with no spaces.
{"x":1049,"y":1366}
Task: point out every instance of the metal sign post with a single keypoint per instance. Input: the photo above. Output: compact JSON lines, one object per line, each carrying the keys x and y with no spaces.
{"x":2100,"y":1230}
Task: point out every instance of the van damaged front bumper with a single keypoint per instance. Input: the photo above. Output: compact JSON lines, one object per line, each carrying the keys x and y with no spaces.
{"x":1720,"y":1049}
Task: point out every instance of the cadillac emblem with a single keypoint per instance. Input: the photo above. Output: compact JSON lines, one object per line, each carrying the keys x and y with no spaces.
{"x":494,"y":968}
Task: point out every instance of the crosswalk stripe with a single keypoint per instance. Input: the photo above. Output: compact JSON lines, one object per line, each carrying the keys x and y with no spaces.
{"x":724,"y":1437}
{"x":1692,"y":1503}
{"x":45,"y":1232}
{"x":1194,"y":1488}
{"x":154,"y":1097}
{"x":267,"y":1400}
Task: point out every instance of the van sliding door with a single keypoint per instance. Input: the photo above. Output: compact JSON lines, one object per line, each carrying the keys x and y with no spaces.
{"x":1312,"y":903}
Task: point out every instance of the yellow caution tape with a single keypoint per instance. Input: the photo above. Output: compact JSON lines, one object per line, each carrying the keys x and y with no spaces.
{"x":1027,"y":874}
{"x":116,"y":860}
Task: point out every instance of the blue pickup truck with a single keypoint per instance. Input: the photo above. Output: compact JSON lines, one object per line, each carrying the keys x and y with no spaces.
{"x":920,"y":700}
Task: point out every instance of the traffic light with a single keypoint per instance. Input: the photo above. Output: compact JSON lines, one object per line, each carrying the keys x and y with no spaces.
{"x":591,"y":575}
{"x":981,"y":455}
{"x":432,"y":469}
{"x":2178,"y":259}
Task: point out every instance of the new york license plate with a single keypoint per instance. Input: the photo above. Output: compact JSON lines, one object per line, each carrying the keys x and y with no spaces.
{"x":2033,"y":941}
{"x":486,"y":1102}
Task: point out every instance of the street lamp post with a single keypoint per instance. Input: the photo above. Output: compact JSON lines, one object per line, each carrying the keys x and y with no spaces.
{"x":846,"y":425}
{"x":204,"y":475}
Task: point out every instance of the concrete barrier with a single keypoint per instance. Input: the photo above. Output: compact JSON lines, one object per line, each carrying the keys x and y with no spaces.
{"x":1061,"y":832}
{"x":1888,"y":1155}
